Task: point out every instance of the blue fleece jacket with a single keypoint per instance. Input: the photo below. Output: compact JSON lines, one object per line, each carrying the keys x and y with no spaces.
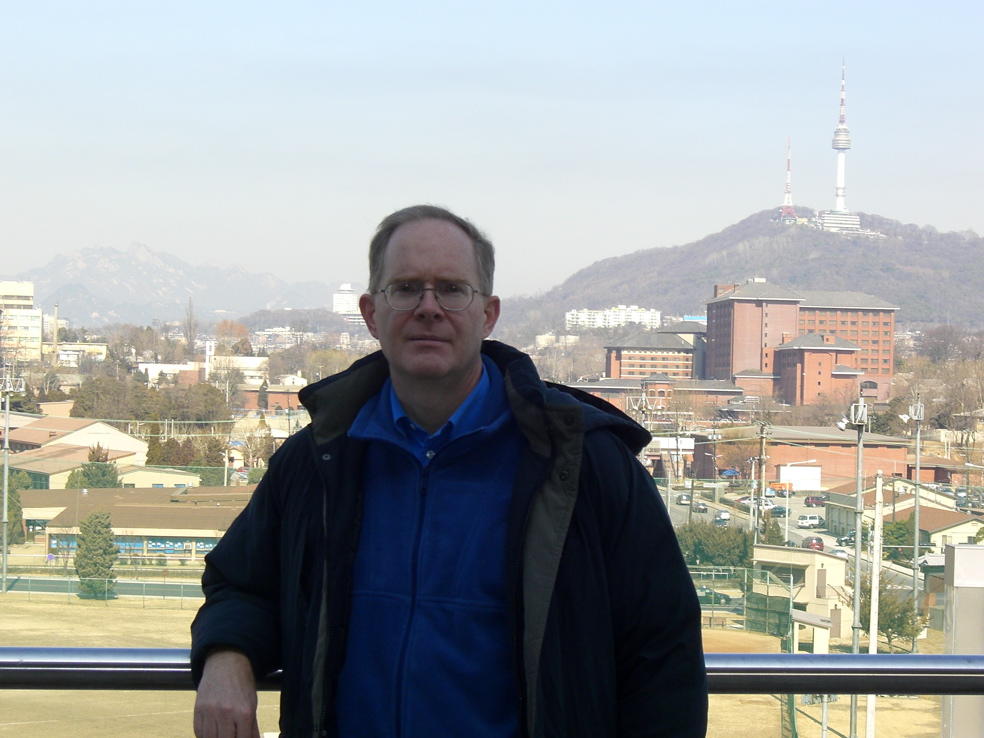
{"x":428,"y":650}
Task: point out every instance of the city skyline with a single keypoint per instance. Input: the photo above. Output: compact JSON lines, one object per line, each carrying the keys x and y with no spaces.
{"x":278,"y":139}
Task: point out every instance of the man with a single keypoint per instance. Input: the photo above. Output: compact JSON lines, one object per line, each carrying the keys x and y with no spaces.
{"x":451,"y":547}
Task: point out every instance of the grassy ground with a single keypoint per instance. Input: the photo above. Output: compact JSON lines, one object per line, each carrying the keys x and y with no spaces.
{"x":63,"y":621}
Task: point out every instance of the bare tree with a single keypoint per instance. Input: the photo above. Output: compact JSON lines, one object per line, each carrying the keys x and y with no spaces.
{"x":189,"y":326}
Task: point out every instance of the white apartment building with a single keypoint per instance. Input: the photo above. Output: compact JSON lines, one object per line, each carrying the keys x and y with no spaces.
{"x":613,"y":317}
{"x":20,"y":323}
{"x":345,"y":301}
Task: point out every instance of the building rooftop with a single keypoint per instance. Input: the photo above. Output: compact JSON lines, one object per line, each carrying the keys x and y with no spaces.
{"x":655,"y":340}
{"x":818,"y":341}
{"x":932,"y":519}
{"x":758,"y":290}
{"x":857,"y":300}
{"x":684,"y":326}
{"x":823,"y":434}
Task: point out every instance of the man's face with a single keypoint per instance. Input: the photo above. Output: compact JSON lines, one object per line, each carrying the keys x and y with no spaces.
{"x":430,"y":343}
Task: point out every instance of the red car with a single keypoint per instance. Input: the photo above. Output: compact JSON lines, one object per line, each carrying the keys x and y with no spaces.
{"x":814,"y":502}
{"x":814,"y":542}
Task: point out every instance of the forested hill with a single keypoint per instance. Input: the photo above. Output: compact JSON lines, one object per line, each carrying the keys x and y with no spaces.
{"x":933,"y":277}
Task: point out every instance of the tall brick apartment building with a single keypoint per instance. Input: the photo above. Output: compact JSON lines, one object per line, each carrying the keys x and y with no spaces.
{"x":800,"y":346}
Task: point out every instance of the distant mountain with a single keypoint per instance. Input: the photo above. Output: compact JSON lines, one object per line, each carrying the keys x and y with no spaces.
{"x":95,"y":286}
{"x":933,"y":277}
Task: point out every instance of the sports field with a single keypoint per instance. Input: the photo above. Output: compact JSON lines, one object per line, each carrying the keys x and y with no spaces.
{"x":58,"y":621}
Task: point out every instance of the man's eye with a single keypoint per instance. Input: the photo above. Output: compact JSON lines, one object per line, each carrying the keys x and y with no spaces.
{"x":451,"y":288}
{"x":405,"y":288}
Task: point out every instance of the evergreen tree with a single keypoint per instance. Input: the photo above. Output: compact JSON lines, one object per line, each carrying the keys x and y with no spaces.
{"x":263,"y":397}
{"x":774,"y":535}
{"x":95,"y":556}
{"x":97,"y":473}
{"x":16,"y":531}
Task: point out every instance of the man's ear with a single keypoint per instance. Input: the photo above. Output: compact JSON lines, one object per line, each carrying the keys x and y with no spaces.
{"x":367,"y":306}
{"x":491,"y":314}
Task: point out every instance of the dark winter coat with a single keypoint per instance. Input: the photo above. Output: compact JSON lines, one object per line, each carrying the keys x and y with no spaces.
{"x":605,"y":619}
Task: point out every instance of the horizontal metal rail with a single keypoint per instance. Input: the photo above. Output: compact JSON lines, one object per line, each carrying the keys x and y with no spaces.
{"x":728,"y":673}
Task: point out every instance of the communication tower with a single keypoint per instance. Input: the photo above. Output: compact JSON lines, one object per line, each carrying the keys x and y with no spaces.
{"x":840,"y":218}
{"x":788,"y":214}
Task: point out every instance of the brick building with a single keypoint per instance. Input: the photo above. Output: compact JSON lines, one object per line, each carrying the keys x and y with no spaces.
{"x":643,"y":354}
{"x":760,"y":336}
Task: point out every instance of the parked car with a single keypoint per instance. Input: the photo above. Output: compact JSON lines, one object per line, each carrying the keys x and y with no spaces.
{"x":708,"y":596}
{"x":744,"y":501}
{"x":779,"y":511}
{"x":815,"y":501}
{"x":785,"y":493}
{"x":699,"y":506}
{"x":814,"y":542}
{"x":810,"y":520}
{"x":683,"y":499}
{"x":848,"y":538}
{"x":765,"y":504}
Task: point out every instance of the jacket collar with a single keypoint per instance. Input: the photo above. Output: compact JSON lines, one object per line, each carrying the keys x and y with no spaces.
{"x":334,"y":402}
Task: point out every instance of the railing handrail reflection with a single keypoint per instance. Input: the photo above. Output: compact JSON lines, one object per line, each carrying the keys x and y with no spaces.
{"x":728,"y":673}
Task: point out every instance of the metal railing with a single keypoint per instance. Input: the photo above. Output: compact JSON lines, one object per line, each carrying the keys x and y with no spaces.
{"x":728,"y":673}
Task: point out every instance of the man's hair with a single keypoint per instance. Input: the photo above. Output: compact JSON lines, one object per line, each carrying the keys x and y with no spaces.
{"x":484,"y":252}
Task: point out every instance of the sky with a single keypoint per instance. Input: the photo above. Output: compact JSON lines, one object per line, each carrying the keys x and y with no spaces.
{"x":275,"y":136}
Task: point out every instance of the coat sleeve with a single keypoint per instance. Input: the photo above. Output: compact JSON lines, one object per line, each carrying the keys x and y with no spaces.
{"x":242,"y":585}
{"x":661,"y":679}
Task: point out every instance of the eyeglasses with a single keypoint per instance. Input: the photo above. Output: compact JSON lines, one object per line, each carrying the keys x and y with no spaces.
{"x":453,"y":296}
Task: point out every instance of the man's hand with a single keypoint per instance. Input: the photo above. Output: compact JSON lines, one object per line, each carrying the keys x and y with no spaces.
{"x":226,"y":703}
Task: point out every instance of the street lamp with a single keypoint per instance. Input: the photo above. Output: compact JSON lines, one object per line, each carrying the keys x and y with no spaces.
{"x":858,"y":419}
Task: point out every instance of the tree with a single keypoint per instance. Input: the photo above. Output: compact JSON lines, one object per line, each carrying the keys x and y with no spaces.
{"x":898,"y":539}
{"x":897,"y":617}
{"x":774,"y":535}
{"x":263,"y":396}
{"x":96,"y":554}
{"x":97,"y":473}
{"x":242,"y":347}
{"x":189,"y":326}
{"x":704,"y":544}
{"x":737,"y":453}
{"x":16,"y":530}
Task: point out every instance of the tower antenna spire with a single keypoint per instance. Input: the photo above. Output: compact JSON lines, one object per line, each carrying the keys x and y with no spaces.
{"x":788,"y":214}
{"x":840,"y":144}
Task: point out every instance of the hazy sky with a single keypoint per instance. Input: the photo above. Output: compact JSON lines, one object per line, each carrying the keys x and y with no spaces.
{"x":276,"y":135}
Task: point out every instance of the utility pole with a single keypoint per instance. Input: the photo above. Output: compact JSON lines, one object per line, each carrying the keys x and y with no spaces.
{"x":875,"y":593}
{"x":916,"y":412}
{"x":857,"y":420}
{"x":8,"y":386}
{"x":759,"y":492}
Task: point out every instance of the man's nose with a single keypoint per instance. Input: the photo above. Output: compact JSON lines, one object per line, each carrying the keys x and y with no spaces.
{"x":429,"y":304}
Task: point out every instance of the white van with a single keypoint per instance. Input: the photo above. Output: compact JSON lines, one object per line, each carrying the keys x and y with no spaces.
{"x":809,"y":521}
